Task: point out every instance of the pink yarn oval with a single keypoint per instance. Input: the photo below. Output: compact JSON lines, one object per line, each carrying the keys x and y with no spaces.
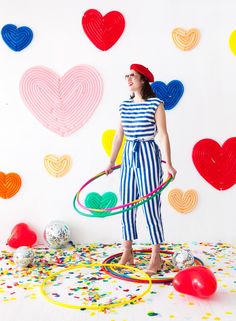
{"x":62,"y":104}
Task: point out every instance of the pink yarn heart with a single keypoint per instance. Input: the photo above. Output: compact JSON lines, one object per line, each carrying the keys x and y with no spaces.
{"x":62,"y":104}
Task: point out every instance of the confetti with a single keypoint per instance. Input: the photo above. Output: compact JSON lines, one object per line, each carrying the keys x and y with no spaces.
{"x":152,"y":314}
{"x":162,"y":303}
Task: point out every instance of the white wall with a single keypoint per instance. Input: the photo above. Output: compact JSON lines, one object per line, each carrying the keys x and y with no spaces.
{"x":206,"y":110}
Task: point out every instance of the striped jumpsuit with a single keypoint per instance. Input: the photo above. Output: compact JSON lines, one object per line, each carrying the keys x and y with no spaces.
{"x":141,"y":170}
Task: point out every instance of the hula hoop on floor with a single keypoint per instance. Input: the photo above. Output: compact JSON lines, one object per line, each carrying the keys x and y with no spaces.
{"x":121,"y":208}
{"x":108,"y":269}
{"x":100,"y":307}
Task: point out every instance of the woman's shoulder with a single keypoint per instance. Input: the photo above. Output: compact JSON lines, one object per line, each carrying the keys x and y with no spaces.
{"x":155,"y":100}
{"x":126,"y":102}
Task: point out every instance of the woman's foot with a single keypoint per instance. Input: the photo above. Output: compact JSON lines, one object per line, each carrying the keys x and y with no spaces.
{"x":154,"y":267}
{"x":127,"y":257}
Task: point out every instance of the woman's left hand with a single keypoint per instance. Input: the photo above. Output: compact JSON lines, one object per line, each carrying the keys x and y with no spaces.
{"x":171,"y":170}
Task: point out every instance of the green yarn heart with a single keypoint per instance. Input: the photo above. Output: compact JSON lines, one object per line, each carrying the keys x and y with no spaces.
{"x":97,"y":201}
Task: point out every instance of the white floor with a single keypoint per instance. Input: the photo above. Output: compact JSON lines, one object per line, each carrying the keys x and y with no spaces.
{"x":20,"y":297}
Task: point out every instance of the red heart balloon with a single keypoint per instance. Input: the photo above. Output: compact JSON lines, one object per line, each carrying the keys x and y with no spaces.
{"x":103,"y":31}
{"x":21,"y":235}
{"x":195,"y":280}
{"x":216,"y":164}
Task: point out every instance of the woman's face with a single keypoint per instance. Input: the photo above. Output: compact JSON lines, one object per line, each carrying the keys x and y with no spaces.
{"x":134,"y":80}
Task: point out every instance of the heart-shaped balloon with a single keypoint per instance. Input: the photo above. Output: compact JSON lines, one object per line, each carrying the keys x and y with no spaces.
{"x":9,"y":184}
{"x":195,"y":280}
{"x":21,"y":235}
{"x":216,"y":164}
{"x":97,"y":201}
{"x":17,"y":38}
{"x":103,"y":31}
{"x":170,"y":93}
{"x":107,"y":139}
{"x":62,"y":104}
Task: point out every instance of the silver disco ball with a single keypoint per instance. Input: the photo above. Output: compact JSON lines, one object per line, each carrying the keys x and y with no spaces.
{"x":183,"y":259}
{"x":57,"y":234}
{"x":23,"y":256}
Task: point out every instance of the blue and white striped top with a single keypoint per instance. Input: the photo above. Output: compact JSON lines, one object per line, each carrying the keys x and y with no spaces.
{"x":138,"y":119}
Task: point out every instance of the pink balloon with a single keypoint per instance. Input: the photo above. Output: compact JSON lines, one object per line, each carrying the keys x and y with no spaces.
{"x":195,"y":280}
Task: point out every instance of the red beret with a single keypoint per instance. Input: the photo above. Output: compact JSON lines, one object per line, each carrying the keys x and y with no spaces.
{"x":143,"y":71}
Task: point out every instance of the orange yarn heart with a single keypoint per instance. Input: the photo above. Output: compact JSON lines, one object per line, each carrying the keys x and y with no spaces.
{"x":186,"y":39}
{"x":9,"y":184}
{"x":183,"y":202}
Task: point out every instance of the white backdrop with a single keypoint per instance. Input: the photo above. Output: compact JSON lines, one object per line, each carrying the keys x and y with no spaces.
{"x":206,"y":110}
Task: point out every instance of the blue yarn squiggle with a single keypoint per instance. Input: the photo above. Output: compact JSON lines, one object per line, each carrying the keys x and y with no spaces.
{"x":17,"y":38}
{"x":170,"y":93}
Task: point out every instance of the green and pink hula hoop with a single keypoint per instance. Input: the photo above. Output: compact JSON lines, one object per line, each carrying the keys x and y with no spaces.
{"x":103,"y":212}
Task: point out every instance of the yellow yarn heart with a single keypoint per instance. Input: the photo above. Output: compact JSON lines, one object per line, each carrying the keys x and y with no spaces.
{"x":57,"y":166}
{"x":186,"y":39}
{"x":232,"y":42}
{"x":107,"y":139}
{"x":183,"y":202}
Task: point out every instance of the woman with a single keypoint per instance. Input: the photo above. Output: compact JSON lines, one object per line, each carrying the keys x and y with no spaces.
{"x":141,"y":171}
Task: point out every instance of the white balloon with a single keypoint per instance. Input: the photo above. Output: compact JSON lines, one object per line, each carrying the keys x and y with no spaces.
{"x":183,"y":259}
{"x":23,"y":256}
{"x":57,"y":234}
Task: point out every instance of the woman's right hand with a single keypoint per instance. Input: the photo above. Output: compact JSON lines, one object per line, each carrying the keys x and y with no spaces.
{"x":109,"y":169}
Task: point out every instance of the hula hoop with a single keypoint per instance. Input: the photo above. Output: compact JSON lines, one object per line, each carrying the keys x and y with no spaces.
{"x":106,"y":211}
{"x":101,"y":307}
{"x":108,"y":269}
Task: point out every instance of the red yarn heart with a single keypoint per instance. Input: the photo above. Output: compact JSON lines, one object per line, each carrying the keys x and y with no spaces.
{"x":21,"y":235}
{"x":103,"y":31}
{"x":216,"y":164}
{"x":195,"y":280}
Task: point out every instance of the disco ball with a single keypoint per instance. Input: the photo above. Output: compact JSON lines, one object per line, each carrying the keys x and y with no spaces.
{"x":183,"y":259}
{"x":57,"y":234}
{"x":23,"y":256}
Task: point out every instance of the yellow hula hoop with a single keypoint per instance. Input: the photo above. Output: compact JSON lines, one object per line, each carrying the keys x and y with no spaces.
{"x":121,"y":302}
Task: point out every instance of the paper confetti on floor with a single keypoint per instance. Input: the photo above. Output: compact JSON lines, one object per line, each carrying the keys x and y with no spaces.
{"x":22,"y":286}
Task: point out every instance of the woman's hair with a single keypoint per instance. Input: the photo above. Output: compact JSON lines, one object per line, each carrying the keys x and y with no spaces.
{"x":146,"y":91}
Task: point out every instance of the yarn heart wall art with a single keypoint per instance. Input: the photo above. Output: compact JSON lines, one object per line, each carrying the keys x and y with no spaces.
{"x":57,"y":166}
{"x":170,"y":93}
{"x":215,"y":163}
{"x":97,"y":201}
{"x":107,"y":140}
{"x":183,"y":202}
{"x":186,"y":39}
{"x":232,"y":42}
{"x":9,"y":184}
{"x":62,"y":104}
{"x":103,"y":31}
{"x":17,"y":38}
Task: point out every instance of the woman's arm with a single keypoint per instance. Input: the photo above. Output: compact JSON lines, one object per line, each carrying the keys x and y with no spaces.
{"x":116,"y":144}
{"x":160,"y":118}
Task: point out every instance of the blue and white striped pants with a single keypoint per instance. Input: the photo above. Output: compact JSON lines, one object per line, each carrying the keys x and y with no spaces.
{"x":141,"y":173}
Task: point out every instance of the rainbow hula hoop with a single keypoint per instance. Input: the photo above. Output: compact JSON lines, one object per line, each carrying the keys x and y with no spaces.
{"x":121,"y":208}
{"x":110,"y":271}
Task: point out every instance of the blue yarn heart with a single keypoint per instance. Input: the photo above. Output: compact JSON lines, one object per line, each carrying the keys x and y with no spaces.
{"x":170,"y":93}
{"x":17,"y":38}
